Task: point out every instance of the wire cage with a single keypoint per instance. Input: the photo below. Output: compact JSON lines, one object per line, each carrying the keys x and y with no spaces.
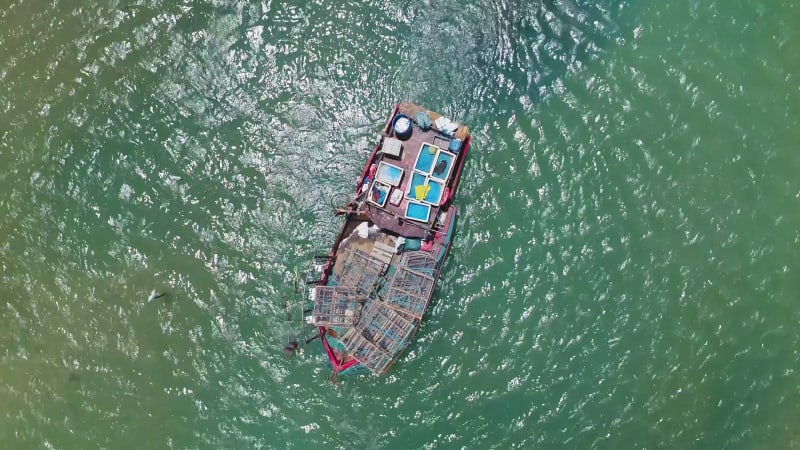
{"x":419,"y":261}
{"x":410,"y":289}
{"x":367,"y":353}
{"x":378,"y":336}
{"x":360,"y":271}
{"x":410,"y":292}
{"x":336,"y":306}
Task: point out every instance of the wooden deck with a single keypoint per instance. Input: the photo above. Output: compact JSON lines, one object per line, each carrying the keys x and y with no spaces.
{"x":410,"y":109}
{"x":392,"y":217}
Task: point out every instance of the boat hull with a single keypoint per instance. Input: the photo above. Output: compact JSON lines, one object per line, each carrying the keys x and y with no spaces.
{"x":380,"y":275}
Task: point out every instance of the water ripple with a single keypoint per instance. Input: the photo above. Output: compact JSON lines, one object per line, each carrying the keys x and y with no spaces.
{"x":621,"y":276}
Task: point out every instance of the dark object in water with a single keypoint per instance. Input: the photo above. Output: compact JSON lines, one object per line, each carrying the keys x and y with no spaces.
{"x":290,"y":348}
{"x":441,"y":166}
{"x":155,"y":295}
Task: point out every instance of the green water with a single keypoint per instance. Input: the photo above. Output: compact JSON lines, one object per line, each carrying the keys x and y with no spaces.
{"x":624,"y":273}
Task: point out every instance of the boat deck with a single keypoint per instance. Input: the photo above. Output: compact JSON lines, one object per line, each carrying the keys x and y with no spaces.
{"x":393,"y":215}
{"x":375,"y":297}
{"x":380,"y":275}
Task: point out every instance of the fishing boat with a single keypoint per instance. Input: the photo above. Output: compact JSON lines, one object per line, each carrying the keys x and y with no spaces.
{"x":371,"y":291}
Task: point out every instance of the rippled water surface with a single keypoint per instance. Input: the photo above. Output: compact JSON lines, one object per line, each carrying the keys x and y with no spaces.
{"x":624,"y":273}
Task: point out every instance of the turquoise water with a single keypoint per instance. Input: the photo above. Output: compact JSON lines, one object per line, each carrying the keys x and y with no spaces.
{"x":444,"y":163}
{"x":389,"y":173}
{"x":433,"y":194}
{"x":624,"y":271}
{"x":425,"y":159}
{"x":418,"y":211}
